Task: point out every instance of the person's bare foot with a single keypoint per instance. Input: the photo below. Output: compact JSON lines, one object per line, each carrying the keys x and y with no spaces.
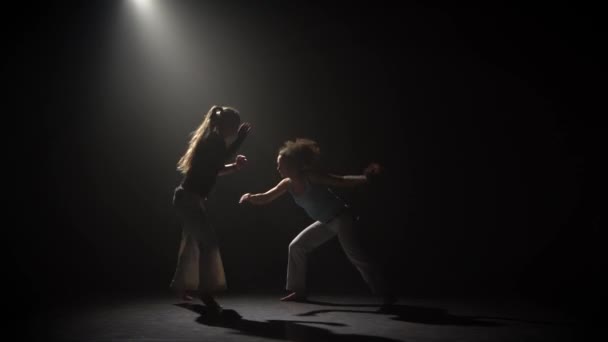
{"x":294,"y":297}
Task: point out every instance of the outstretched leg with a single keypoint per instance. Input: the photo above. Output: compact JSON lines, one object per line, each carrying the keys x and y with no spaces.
{"x":371,"y":271}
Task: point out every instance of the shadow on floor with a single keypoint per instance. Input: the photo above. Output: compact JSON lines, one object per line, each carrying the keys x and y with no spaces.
{"x":276,"y":329}
{"x":423,"y":315}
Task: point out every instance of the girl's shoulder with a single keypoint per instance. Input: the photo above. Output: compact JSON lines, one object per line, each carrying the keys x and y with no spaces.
{"x":314,"y":177}
{"x":214,"y":138}
{"x":285,"y":182}
{"x":212,"y":142}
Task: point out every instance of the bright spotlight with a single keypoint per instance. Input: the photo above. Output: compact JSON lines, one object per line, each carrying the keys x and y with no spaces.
{"x":141,"y":3}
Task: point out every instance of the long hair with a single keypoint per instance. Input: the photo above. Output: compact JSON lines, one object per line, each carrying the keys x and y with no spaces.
{"x":302,"y":153}
{"x":210,"y":122}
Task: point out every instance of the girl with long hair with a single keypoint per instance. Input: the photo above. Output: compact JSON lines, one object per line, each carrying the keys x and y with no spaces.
{"x":199,"y":264}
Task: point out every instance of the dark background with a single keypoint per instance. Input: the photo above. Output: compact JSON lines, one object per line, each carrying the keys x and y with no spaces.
{"x":486,"y":121}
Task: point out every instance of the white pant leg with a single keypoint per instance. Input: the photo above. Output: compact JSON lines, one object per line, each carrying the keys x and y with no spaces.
{"x":351,"y":244}
{"x":310,"y":238}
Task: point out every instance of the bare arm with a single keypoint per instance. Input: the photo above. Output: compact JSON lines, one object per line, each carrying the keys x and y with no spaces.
{"x":268,"y":196}
{"x":228,"y":169}
{"x":239,"y":162}
{"x":348,"y":180}
{"x":339,"y":181}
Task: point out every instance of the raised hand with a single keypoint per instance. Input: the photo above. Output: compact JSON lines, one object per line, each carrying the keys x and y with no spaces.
{"x":372,"y":169}
{"x":240,"y":161}
{"x":244,"y":130}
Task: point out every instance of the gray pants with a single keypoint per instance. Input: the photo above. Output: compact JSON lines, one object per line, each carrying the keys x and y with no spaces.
{"x":199,"y":263}
{"x":318,"y":233}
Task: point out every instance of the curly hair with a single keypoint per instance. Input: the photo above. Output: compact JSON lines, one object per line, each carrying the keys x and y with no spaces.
{"x":303,"y":154}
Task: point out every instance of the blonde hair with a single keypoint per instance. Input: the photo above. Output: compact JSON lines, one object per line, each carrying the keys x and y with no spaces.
{"x":302,"y":153}
{"x":211,"y":120}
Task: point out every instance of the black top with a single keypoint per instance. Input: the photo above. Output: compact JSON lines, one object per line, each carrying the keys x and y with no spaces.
{"x":208,"y":159}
